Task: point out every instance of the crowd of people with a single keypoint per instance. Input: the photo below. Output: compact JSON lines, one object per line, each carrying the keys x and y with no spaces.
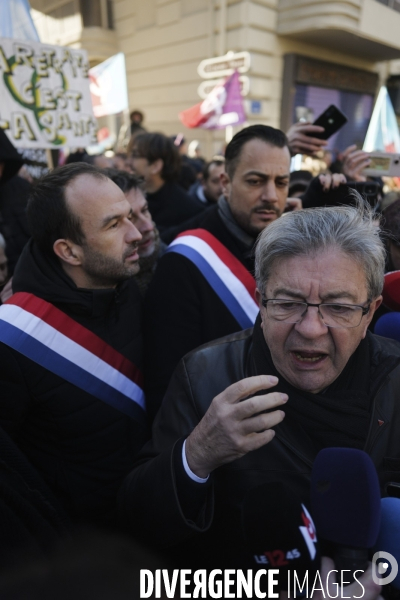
{"x":175,"y":333}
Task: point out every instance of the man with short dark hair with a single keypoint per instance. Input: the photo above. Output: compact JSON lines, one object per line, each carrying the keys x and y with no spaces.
{"x":70,"y":349}
{"x":204,"y":287}
{"x":156,"y":160}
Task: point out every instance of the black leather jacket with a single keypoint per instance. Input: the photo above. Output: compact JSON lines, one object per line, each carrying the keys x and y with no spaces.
{"x":149,"y":500}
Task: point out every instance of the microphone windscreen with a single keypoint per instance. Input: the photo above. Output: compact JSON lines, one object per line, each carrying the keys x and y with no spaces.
{"x":345,"y":497}
{"x":391,"y":290}
{"x":389,"y":326}
{"x":279,"y":532}
{"x":389,"y":534}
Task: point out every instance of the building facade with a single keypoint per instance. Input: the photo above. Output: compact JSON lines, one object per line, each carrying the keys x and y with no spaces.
{"x":303,"y":52}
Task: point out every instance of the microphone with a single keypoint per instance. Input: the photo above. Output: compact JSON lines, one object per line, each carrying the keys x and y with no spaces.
{"x":345,"y":500}
{"x":389,"y":326}
{"x":279,"y":533}
{"x":389,"y":539}
{"x":391,"y":290}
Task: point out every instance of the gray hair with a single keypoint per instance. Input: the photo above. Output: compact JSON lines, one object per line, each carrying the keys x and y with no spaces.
{"x":307,"y":232}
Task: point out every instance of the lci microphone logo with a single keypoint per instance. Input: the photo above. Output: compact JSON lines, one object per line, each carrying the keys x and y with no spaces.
{"x":384,"y":568}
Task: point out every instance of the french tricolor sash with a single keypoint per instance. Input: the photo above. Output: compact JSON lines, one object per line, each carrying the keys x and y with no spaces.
{"x":229,"y":279}
{"x":50,"y":338}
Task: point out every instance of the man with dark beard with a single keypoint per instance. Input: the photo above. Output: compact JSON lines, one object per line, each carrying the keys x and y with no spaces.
{"x":150,"y":247}
{"x":204,"y":287}
{"x":70,"y":342}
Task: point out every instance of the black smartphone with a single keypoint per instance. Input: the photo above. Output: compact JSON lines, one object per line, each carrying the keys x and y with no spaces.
{"x":332,"y":119}
{"x":314,"y":196}
{"x":369,"y":190}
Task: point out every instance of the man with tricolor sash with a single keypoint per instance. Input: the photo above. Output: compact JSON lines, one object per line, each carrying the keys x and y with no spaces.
{"x":70,"y":342}
{"x":204,"y":286}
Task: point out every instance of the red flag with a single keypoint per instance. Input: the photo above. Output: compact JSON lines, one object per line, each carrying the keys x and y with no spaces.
{"x":223,"y":106}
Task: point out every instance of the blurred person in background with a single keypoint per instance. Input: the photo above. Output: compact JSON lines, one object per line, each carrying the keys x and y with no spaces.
{"x":14,"y":192}
{"x":209,"y":189}
{"x":389,"y":198}
{"x":191,"y":168}
{"x":78,"y":156}
{"x":194,"y":151}
{"x":136,"y":126}
{"x":156,"y":161}
{"x":150,"y":247}
{"x":121,"y":162}
{"x":391,"y":226}
{"x":97,"y":160}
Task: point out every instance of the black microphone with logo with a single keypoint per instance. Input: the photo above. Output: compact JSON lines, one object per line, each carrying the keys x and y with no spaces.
{"x":280,"y":534}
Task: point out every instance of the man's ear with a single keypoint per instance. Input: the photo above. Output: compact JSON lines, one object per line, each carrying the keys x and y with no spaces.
{"x":157,"y":166}
{"x":226,"y":184}
{"x":68,"y":252}
{"x":375,"y":304}
{"x":258,"y":297}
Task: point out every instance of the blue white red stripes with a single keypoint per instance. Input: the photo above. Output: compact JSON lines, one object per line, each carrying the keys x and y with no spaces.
{"x":49,"y":337}
{"x":227,"y":276}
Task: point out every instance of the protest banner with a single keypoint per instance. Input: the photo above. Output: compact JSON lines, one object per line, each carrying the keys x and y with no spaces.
{"x":44,"y":95}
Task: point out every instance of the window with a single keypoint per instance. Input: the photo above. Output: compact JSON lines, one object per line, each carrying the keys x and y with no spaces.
{"x":110,"y":18}
{"x":97,"y":13}
{"x":91,"y":13}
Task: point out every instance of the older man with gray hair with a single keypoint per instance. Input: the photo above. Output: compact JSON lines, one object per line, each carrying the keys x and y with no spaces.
{"x":256,"y":407}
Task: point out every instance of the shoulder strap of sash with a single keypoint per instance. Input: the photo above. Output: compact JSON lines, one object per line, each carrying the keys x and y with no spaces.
{"x":227,"y":276}
{"x":49,"y":337}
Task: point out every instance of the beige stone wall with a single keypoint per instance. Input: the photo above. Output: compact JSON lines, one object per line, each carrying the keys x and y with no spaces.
{"x":165,"y":40}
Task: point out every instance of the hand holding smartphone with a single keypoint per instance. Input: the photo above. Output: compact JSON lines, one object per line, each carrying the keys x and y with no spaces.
{"x":332,"y":119}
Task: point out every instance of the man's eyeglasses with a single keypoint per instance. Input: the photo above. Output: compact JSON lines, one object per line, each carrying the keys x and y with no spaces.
{"x":332,"y":315}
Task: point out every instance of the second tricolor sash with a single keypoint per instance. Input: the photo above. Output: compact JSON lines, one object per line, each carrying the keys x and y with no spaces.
{"x":50,"y":338}
{"x":227,"y":276}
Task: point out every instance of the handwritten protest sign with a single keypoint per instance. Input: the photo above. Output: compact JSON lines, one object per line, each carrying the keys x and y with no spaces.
{"x":44,"y":95}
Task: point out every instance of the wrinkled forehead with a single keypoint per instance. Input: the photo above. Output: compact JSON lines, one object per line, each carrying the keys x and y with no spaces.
{"x":328,"y":274}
